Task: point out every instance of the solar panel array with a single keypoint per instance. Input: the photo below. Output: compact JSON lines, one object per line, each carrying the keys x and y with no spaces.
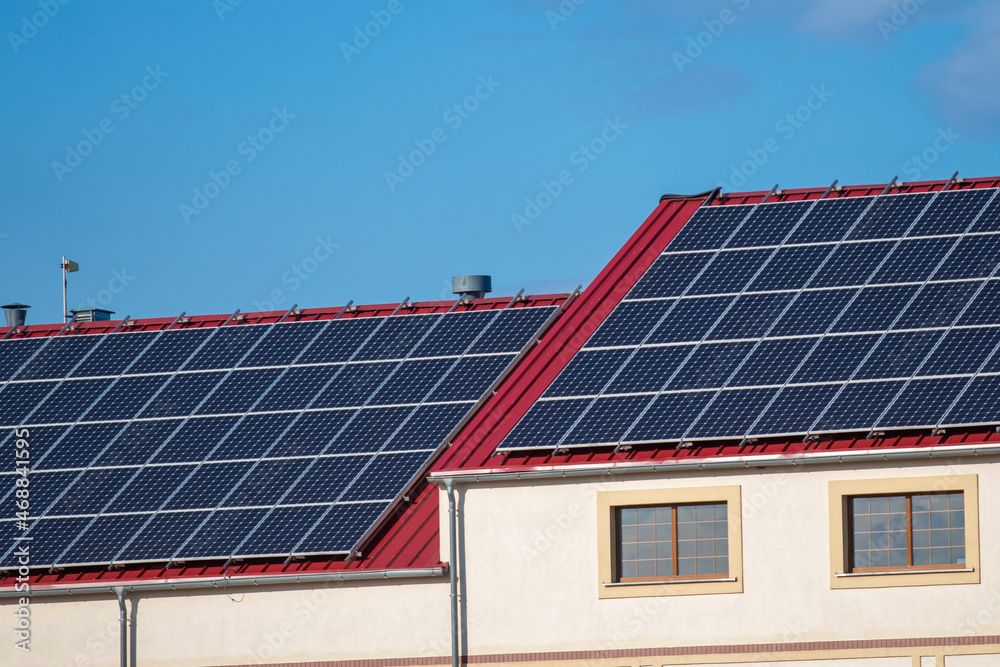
{"x":794,"y":318}
{"x":241,"y":440}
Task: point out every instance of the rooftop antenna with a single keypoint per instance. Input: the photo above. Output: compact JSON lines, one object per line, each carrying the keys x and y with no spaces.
{"x":68,"y":266}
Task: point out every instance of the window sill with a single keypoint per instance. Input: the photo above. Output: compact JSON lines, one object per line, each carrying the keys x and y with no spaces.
{"x":661,"y":582}
{"x":891,"y":572}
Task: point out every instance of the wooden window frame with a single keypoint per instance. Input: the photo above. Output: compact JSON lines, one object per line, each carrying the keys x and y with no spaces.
{"x":673,"y":545}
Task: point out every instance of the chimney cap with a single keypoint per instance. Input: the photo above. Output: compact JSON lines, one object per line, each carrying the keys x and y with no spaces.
{"x":474,"y":287}
{"x":92,"y":314}
{"x":15,"y":306}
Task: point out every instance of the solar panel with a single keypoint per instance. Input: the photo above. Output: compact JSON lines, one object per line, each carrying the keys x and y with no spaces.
{"x":243,"y":440}
{"x":794,"y":318}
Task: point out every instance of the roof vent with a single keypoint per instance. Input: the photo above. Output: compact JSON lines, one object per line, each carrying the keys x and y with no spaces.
{"x":92,"y":315}
{"x":16,"y":314}
{"x":471,"y":287}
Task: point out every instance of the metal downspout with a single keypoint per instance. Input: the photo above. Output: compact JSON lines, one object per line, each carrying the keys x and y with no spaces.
{"x":452,"y":570}
{"x":123,"y":621}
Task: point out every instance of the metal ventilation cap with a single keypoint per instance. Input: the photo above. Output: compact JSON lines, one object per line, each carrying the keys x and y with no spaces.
{"x":16,"y":314}
{"x":92,"y":315}
{"x":472,"y":287}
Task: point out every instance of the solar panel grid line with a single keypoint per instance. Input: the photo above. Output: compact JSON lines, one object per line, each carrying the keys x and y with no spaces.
{"x":899,"y":315}
{"x":979,"y":373}
{"x":371,"y":460}
{"x":241,"y":417}
{"x":955,"y":320}
{"x":691,"y":283}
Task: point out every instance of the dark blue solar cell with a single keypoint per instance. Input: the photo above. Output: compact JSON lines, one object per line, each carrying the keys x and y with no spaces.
{"x":587,"y":372}
{"x":44,"y":487}
{"x":428,"y":427}
{"x":207,"y":485}
{"x":835,"y":358}
{"x":18,"y":400}
{"x":709,"y":227}
{"x":282,"y":344}
{"x":396,"y":337}
{"x":961,"y":351}
{"x":812,"y":312}
{"x":325,"y":479}
{"x":99,"y":542}
{"x":669,"y":417}
{"x":891,"y":216}
{"x":974,"y":257}
{"x":79,"y":447}
{"x":115,"y":353}
{"x":829,"y":220}
{"x":49,"y":538}
{"x":40,"y":441}
{"x":220,"y":534}
{"x":266,"y":483}
{"x":791,"y":268}
{"x":125,"y":398}
{"x":169,"y":352}
{"x":544,"y":424}
{"x":311,"y":433}
{"x":669,"y":275}
{"x":14,"y":353}
{"x":989,"y":219}
{"x":341,"y":528}
{"x":913,"y":261}
{"x":339,"y":340}
{"x":297,"y":387}
{"x":793,"y":410}
{"x":470,"y":378}
{"x":283,"y":528}
{"x":195,"y":439}
{"x":354,"y":385}
{"x":58,"y":357}
{"x":951,"y":213}
{"x":150,"y":488}
{"x":182,"y":394}
{"x":769,"y":224}
{"x":772,"y":362}
{"x":91,"y":491}
{"x":385,"y":477}
{"x":852,"y":264}
{"x":412,"y":381}
{"x":512,"y":330}
{"x":137,"y":442}
{"x":454,"y":334}
{"x":858,"y":406}
{"x":876,"y":308}
{"x":162,"y":536}
{"x":731,"y":272}
{"x":977,"y":404}
{"x":606,"y":421}
{"x":253,"y":436}
{"x":226,"y":347}
{"x":709,"y":366}
{"x":732,"y":413}
{"x":69,"y":401}
{"x":751,"y":316}
{"x":690,"y":320}
{"x":937,"y":305}
{"x":629,"y":323}
{"x":369,"y":431}
{"x":922,"y":403}
{"x":239,"y":391}
{"x":898,"y":355}
{"x":649,"y":369}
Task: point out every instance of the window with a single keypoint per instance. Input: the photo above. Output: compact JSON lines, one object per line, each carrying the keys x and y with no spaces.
{"x":657,"y":543}
{"x":677,"y":541}
{"x":924,"y":530}
{"x":907,"y":531}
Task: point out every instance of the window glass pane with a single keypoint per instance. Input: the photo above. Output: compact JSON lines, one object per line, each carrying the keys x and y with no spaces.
{"x":897,"y":504}
{"x":645,"y":542}
{"x":646,"y":533}
{"x":706,"y":566}
{"x":685,"y":513}
{"x":646,"y":546}
{"x":645,"y":515}
{"x":628,"y":534}
{"x":626,"y":517}
{"x":664,"y":568}
{"x":686,"y":566}
{"x":664,"y":550}
{"x":629,"y":569}
{"x":647,"y":568}
{"x":958,"y":555}
{"x":647,"y":550}
{"x":957,"y":519}
{"x":921,"y":556}
{"x":704,"y":513}
{"x":721,"y":512}
{"x":897,"y":558}
{"x":957,"y":501}
{"x":939,"y":502}
{"x":662,"y":515}
{"x":859,"y":505}
{"x":921,"y":503}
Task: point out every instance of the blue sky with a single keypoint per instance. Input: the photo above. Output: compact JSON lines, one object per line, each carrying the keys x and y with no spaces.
{"x":208,"y":156}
